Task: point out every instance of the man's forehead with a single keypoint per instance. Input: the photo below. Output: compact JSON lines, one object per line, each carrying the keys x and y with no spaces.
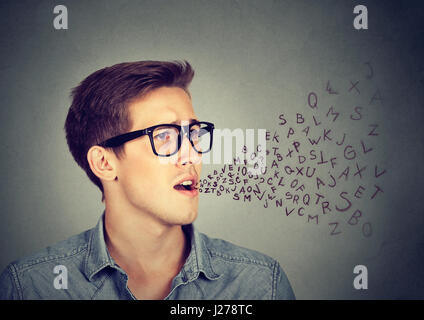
{"x":164,"y":105}
{"x":183,"y":121}
{"x":168,"y":117}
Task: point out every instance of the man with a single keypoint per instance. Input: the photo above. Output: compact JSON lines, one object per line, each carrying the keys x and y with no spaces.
{"x":132,"y":128}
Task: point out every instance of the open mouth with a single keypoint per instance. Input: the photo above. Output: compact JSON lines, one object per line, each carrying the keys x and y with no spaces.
{"x":187,"y":187}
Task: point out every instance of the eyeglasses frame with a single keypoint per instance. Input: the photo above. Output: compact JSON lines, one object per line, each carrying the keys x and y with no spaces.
{"x":182,"y":131}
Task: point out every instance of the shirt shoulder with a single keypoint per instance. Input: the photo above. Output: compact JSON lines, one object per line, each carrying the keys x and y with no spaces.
{"x":56,"y":252}
{"x":247,"y":273}
{"x":226,"y":250}
{"x":32,"y":276}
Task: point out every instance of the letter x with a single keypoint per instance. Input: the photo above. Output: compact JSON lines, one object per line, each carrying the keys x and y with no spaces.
{"x":354,"y":86}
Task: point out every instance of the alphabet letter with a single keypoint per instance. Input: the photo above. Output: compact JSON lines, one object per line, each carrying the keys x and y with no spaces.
{"x":61,"y":281}
{"x":60,"y":21}
{"x":361,"y":20}
{"x":361,"y":280}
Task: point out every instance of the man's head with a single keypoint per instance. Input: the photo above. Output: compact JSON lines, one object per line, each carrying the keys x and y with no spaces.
{"x":129,"y":97}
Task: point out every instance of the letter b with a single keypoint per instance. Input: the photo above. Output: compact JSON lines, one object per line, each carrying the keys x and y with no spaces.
{"x":299,"y":118}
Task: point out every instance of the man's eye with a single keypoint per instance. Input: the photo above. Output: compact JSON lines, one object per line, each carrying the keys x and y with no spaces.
{"x":163,"y":136}
{"x":194,"y":133}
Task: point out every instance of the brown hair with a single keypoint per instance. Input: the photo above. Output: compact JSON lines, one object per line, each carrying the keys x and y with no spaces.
{"x":99,"y":104}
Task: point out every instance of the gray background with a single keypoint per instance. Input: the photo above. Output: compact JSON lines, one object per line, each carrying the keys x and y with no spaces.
{"x":254,"y":60}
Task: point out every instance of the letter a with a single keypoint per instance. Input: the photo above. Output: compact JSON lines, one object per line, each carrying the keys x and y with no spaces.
{"x":60,"y":21}
{"x":361,"y":280}
{"x":361,"y":20}
{"x":61,"y":281}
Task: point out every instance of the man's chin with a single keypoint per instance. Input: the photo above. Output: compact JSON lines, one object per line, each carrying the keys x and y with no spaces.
{"x":191,"y":218}
{"x":187,"y":217}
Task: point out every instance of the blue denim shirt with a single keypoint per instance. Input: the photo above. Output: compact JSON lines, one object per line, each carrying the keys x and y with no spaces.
{"x":214,"y":269}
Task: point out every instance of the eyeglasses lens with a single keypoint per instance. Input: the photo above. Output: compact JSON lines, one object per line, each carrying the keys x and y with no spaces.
{"x":165,"y":139}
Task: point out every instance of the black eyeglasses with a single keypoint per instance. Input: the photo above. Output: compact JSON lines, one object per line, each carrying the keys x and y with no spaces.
{"x":166,"y":139}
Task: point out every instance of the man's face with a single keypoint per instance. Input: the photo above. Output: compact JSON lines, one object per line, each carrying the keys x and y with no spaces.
{"x":147,"y":181}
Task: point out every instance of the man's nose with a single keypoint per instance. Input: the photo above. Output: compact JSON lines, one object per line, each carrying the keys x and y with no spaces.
{"x":187,"y":154}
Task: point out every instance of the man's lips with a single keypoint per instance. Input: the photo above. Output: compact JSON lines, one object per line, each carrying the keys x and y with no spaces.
{"x":191,"y":178}
{"x":187,"y":189}
{"x":191,"y":193}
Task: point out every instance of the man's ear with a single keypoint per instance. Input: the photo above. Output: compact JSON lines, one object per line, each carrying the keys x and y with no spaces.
{"x":101,"y":163}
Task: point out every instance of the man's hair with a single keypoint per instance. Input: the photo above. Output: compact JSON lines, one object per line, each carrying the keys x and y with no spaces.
{"x":99,"y":108}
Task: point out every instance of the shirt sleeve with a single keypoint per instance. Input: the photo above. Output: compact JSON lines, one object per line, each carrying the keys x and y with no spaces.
{"x":8,"y":289}
{"x":282,"y":289}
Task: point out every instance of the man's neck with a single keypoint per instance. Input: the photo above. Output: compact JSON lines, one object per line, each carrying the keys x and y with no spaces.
{"x":143,"y":246}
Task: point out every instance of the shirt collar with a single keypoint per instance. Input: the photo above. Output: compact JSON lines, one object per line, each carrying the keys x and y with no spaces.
{"x":199,"y":259}
{"x":97,"y":257}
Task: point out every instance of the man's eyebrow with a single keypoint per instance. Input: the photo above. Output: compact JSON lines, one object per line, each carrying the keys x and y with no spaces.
{"x":179,"y":121}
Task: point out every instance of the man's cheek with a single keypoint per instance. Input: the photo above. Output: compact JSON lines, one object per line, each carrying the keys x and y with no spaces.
{"x":199,"y":169}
